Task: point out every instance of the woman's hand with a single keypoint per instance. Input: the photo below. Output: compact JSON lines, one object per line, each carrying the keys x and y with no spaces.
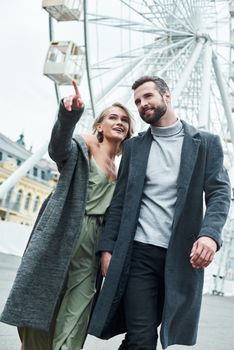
{"x":73,"y":101}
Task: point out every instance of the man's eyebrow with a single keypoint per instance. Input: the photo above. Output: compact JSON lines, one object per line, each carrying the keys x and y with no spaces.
{"x":147,"y":93}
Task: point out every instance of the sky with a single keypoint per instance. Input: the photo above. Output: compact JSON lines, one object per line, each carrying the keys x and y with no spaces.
{"x":27,"y":97}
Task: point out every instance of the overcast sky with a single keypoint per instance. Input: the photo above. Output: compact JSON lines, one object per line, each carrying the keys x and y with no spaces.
{"x":27,"y":97}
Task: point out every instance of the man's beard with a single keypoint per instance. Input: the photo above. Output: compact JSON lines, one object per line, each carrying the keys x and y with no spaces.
{"x":156,"y":116}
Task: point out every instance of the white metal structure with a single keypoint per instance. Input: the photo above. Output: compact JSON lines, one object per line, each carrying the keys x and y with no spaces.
{"x":188,"y":43}
{"x":63,"y":10}
{"x":64,"y":62}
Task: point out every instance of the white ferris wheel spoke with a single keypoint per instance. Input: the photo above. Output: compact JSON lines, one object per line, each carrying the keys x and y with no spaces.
{"x":203,"y":121}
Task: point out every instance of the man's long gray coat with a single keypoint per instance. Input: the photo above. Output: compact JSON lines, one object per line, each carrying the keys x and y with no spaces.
{"x":201,"y":170}
{"x":40,"y":278}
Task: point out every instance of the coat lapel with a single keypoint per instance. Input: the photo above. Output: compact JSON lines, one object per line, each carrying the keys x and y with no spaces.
{"x":189,"y":154}
{"x":139,"y":159}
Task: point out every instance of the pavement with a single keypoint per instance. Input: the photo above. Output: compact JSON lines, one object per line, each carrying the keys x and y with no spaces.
{"x":216,"y":327}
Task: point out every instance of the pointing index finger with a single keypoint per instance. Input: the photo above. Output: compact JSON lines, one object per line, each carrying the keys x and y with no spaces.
{"x":76,"y":88}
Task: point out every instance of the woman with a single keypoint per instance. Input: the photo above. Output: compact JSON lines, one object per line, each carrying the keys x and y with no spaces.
{"x":60,"y":262}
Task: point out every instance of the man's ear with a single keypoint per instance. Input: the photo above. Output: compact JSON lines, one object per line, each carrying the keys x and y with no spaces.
{"x":167,"y":97}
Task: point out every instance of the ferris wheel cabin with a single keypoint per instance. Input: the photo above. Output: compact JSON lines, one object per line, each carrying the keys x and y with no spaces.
{"x":63,"y":10}
{"x":64,"y":62}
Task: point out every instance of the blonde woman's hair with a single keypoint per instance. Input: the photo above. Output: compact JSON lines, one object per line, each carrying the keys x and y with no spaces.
{"x":104,"y":113}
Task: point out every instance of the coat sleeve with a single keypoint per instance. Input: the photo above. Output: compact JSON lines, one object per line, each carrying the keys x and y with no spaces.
{"x":217,"y":192}
{"x":114,"y":212}
{"x":61,"y":143}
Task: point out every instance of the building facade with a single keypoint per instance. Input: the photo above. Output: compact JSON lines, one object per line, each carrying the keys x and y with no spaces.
{"x":22,"y":202}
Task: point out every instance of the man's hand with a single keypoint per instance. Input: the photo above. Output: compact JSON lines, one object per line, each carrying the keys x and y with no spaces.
{"x":73,"y":101}
{"x":105,"y":262}
{"x":203,"y":252}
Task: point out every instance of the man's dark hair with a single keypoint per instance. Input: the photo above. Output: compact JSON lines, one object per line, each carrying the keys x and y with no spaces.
{"x":160,"y":84}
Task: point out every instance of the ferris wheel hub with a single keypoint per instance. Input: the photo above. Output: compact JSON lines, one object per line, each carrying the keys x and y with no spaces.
{"x":202,"y":36}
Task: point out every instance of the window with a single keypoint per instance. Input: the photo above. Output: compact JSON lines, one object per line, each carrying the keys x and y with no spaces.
{"x":18,"y":162}
{"x":43,"y":175}
{"x":1,"y":156}
{"x":36,"y":204}
{"x":18,"y":200}
{"x":8,"y":198}
{"x":27,"y":201}
{"x":35,"y":171}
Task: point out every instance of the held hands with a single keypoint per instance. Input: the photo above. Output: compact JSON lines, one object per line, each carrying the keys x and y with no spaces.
{"x":73,"y":101}
{"x":105,"y":262}
{"x":203,"y":252}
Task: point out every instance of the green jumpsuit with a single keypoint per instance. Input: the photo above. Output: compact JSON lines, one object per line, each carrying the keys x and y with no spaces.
{"x":73,"y":316}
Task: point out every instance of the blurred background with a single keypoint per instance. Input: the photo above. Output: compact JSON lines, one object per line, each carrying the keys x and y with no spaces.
{"x":105,"y":46}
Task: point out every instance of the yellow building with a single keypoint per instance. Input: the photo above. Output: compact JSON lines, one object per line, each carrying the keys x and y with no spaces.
{"x":22,"y":203}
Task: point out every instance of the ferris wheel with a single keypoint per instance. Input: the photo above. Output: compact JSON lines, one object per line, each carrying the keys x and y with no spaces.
{"x":188,"y":43}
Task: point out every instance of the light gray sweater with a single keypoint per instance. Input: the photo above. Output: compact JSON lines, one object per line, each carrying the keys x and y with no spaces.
{"x":160,"y":191}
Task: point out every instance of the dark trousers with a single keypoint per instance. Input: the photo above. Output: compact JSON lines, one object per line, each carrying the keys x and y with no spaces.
{"x":144,"y":297}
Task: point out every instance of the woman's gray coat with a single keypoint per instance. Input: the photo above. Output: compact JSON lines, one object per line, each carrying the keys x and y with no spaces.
{"x":43,"y":270}
{"x":201,"y":170}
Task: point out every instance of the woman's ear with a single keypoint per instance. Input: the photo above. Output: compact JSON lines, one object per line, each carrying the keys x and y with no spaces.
{"x":99,"y":127}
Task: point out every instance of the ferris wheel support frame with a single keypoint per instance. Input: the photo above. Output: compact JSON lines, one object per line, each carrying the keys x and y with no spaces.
{"x":203,"y":120}
{"x":176,"y":57}
{"x":51,"y":38}
{"x":127,"y":98}
{"x":224,"y":95}
{"x":86,"y":41}
{"x":189,"y":42}
{"x":22,"y":170}
{"x":134,"y":66}
{"x":118,"y":79}
{"x":188,"y":69}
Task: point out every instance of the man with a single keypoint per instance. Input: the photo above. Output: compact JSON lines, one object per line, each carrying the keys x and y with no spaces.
{"x":157,"y":242}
